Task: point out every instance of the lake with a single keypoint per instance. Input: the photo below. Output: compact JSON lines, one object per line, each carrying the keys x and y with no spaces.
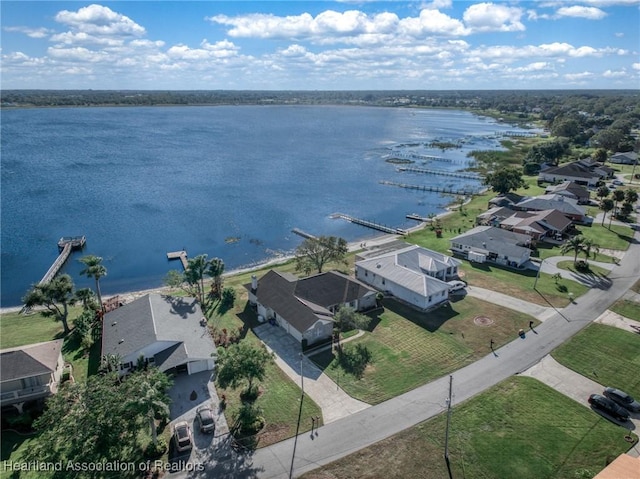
{"x":227,"y":181}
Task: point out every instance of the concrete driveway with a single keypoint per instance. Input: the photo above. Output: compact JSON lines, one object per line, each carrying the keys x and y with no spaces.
{"x":334,"y":402}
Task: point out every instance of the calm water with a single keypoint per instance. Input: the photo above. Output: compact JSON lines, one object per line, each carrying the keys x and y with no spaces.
{"x":140,"y":182}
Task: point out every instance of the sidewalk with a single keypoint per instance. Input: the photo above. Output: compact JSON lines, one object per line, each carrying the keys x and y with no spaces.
{"x":614,"y":319}
{"x":541,"y":313}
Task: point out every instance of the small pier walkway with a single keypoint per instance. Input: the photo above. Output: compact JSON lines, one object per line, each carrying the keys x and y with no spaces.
{"x":304,"y":234}
{"x":437,"y":189}
{"x":66,"y":245}
{"x":427,"y":171}
{"x":181,"y":255}
{"x":370,"y":224}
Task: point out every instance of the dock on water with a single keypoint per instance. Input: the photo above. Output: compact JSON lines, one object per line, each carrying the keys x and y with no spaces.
{"x":304,"y":234}
{"x":66,"y":245}
{"x":181,"y":255}
{"x":370,"y":224}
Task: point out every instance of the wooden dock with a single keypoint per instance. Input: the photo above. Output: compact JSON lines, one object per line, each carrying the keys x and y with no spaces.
{"x":428,"y":171}
{"x":66,"y":245}
{"x":436,"y":189}
{"x":181,"y":255}
{"x":304,"y":234}
{"x":370,"y":224}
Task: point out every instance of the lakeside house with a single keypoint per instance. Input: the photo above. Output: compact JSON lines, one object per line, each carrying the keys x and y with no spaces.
{"x":570,"y":190}
{"x":413,"y":274}
{"x":626,"y":158}
{"x":539,"y":225}
{"x":304,"y":307}
{"x":567,"y":206}
{"x":168,"y":332}
{"x":30,"y":373}
{"x":491,"y":244}
{"x":583,"y":172}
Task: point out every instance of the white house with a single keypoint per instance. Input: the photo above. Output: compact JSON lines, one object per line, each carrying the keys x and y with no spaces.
{"x":30,"y":373}
{"x":168,"y":332}
{"x":305,"y":307}
{"x":413,"y":274}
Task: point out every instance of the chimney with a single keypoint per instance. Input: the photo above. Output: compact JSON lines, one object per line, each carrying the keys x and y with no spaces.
{"x":254,"y":282}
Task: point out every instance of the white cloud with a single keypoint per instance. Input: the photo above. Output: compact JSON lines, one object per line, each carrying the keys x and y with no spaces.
{"x":635,"y":66}
{"x":30,"y":32}
{"x":489,"y":17}
{"x":615,"y":74}
{"x":99,"y":20}
{"x":576,"y":11}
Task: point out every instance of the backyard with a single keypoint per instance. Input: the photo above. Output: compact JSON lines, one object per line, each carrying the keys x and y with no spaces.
{"x":519,"y":428}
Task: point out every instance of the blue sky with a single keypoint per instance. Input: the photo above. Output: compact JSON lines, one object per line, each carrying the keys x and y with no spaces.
{"x":345,"y":45}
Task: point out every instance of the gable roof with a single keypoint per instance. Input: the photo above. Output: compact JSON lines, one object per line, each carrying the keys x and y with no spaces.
{"x":496,"y":240}
{"x":158,"y":318}
{"x":330,"y":288}
{"x":577,"y":190}
{"x":574,"y":169}
{"x":553,"y":202}
{"x":29,"y":360}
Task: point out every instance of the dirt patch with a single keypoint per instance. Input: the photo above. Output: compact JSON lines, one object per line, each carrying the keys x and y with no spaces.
{"x":482,"y":321}
{"x":273,"y":433}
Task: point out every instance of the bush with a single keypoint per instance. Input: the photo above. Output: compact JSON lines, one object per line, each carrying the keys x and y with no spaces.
{"x":354,"y":360}
{"x":153,"y":451}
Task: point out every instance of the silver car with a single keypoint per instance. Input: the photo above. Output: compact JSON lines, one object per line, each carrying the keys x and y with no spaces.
{"x":204,"y":415}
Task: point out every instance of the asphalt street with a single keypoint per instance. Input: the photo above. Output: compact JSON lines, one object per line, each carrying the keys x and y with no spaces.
{"x":343,"y":437}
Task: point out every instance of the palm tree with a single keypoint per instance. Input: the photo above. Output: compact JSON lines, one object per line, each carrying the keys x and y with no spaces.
{"x":588,"y":246}
{"x":602,"y":191}
{"x":194,"y":274}
{"x":153,"y":401}
{"x":606,"y":205}
{"x":55,"y":296}
{"x":631,"y":196}
{"x":96,"y":270}
{"x":575,"y":244}
{"x":88,"y":299}
{"x":215,"y":270}
{"x":618,"y":196}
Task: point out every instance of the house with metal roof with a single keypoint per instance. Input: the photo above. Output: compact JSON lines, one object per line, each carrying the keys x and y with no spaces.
{"x":568,"y":207}
{"x":168,"y":332}
{"x":491,"y":244}
{"x":571,"y":190}
{"x":415,"y":275}
{"x":30,"y":373}
{"x":304,"y":307}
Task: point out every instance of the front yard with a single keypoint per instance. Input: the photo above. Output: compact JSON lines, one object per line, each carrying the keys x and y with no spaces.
{"x":410,"y":348}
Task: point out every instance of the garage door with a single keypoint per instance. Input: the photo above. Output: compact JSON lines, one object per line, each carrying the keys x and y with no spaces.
{"x":197,"y":366}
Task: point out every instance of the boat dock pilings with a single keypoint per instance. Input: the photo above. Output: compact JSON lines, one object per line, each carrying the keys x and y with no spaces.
{"x":181,"y":255}
{"x":370,"y":224}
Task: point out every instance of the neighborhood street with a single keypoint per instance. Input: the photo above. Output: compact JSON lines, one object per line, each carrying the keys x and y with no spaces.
{"x":361,"y":429}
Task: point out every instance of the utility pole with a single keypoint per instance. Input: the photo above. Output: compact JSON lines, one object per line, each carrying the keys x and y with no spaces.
{"x":535,"y":283}
{"x":295,"y":441}
{"x":446,"y":437}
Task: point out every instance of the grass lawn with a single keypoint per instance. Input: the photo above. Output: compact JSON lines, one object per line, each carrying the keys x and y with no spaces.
{"x":594,"y":270}
{"x":509,"y":431}
{"x":607,"y":355}
{"x":410,"y":348}
{"x":628,"y":309}
{"x":614,"y":237}
{"x":14,"y":446}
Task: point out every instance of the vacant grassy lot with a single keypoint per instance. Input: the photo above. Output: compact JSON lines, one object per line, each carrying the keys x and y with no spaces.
{"x":410,"y":348}
{"x":518,"y":429}
{"x":608,"y":355}
{"x":627,"y":308}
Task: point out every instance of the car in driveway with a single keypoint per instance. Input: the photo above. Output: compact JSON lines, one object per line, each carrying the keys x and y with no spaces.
{"x":622,"y":399}
{"x":182,"y":436}
{"x":206,"y":422}
{"x":606,"y":405}
{"x":456,"y":285}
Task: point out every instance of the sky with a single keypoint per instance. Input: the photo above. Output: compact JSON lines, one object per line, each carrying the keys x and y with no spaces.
{"x":309,"y":45}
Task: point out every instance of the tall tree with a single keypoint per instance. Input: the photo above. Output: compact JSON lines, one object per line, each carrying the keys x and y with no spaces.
{"x":195,"y":272}
{"x":618,"y":196}
{"x":606,"y":205}
{"x":215,"y":269}
{"x":631,"y":196}
{"x":55,"y":296}
{"x":88,"y":299}
{"x":589,"y":247}
{"x":602,"y":191}
{"x":314,"y":253}
{"x":575,"y":245}
{"x":505,"y":180}
{"x":96,"y":270}
{"x":242,"y":362}
{"x":600,"y":155}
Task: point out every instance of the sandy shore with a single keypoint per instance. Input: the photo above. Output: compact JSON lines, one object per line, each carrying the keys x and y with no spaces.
{"x":130,"y":296}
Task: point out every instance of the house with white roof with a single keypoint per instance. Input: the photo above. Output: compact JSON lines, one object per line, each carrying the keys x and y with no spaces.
{"x":168,"y":332}
{"x":412,"y":274}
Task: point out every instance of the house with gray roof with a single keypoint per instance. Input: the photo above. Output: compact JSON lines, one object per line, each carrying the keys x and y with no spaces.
{"x":491,"y":244}
{"x":304,"y":307}
{"x":30,"y":373}
{"x":571,"y":190}
{"x":581,"y":172}
{"x":413,"y":274}
{"x":168,"y":332}
{"x":626,"y":158}
{"x":568,"y":207}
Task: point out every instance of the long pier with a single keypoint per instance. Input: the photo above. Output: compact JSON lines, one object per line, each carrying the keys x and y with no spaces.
{"x":181,"y":255}
{"x":304,"y":234}
{"x":427,"y":171}
{"x":66,"y":245}
{"x":370,"y":224}
{"x":436,"y":189}
{"x":416,"y":156}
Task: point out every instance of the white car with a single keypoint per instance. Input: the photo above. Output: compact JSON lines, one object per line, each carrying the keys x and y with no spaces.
{"x":456,"y":285}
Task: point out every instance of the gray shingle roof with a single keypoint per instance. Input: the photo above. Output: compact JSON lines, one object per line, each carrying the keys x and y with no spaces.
{"x":495,"y":240}
{"x":29,"y":360}
{"x":552,"y":202}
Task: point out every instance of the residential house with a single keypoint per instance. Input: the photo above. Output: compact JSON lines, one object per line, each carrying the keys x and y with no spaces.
{"x":540,"y":225}
{"x":30,"y":373}
{"x":568,"y":207}
{"x":582,"y":172}
{"x":305,"y":307}
{"x":413,"y":274}
{"x":507,"y":200}
{"x":571,"y":190}
{"x":626,"y":158}
{"x":494,"y":216}
{"x":168,"y":332}
{"x":490,"y":244}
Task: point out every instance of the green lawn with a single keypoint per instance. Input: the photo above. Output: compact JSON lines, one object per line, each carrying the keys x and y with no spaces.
{"x":14,"y":446}
{"x":607,"y":355}
{"x":594,"y":271}
{"x":628,"y":309}
{"x":520,"y":428}
{"x":410,"y":348}
{"x":615,"y":237}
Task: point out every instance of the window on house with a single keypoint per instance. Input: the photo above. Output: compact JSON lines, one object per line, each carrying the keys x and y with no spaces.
{"x":382,"y":280}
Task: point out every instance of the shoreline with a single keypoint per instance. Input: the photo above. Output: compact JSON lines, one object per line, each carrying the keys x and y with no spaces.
{"x":129,"y":296}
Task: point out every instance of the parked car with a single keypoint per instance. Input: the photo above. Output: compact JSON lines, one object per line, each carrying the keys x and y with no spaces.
{"x":622,"y":399}
{"x":182,"y":436}
{"x":606,"y":405}
{"x":456,"y":285}
{"x":204,"y":415}
{"x":617,"y":182}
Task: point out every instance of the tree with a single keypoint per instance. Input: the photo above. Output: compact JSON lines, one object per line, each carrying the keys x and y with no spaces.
{"x":606,"y":205}
{"x":505,"y":180}
{"x":626,"y":209}
{"x":215,"y":269}
{"x":88,"y":299}
{"x":55,"y":296}
{"x":600,"y":155}
{"x":174,"y":279}
{"x":618,"y":196}
{"x":96,"y":270}
{"x":602,"y":191}
{"x":242,"y":362}
{"x":588,"y":247}
{"x":347,"y":318}
{"x":631,"y":196}
{"x":194,"y":274}
{"x":576,"y":245}
{"x":314,"y":253}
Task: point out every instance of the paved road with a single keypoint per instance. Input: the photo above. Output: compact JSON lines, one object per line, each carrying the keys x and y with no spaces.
{"x":343,"y":437}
